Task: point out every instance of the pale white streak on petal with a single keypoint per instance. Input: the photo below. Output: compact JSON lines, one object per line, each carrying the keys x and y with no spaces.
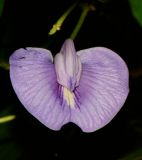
{"x":60,"y":70}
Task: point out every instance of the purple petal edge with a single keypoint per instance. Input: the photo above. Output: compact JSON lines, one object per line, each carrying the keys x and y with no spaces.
{"x":33,"y":78}
{"x":103,"y":88}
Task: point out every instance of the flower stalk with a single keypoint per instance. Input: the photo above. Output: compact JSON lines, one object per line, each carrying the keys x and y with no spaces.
{"x":57,"y":26}
{"x":85,"y":9}
{"x":7,"y":118}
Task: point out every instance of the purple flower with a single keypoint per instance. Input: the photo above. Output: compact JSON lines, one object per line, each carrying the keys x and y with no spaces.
{"x":87,"y":87}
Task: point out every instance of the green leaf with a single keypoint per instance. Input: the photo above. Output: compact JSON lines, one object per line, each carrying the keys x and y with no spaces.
{"x":136,"y":7}
{"x":9,"y":151}
{"x":1,"y":6}
{"x":135,"y":155}
{"x":9,"y":148}
{"x":5,"y":128}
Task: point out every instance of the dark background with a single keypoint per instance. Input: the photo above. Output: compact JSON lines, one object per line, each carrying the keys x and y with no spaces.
{"x":27,"y":23}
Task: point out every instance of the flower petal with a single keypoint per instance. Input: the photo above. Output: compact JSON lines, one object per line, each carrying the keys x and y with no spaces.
{"x":35,"y":83}
{"x":103,"y":88}
{"x":68,"y":66}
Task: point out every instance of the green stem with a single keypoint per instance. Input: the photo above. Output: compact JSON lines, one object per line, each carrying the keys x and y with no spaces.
{"x":7,"y":118}
{"x":4,"y":65}
{"x":84,"y":13}
{"x":58,"y":24}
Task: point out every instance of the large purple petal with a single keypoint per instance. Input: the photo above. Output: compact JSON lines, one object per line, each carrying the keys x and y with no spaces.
{"x":35,"y":83}
{"x":103,"y":88}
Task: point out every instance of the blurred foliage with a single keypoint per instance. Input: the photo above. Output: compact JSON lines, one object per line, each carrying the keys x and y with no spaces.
{"x":4,"y":127}
{"x":9,"y":150}
{"x":134,"y":155}
{"x":4,"y":65}
{"x":1,"y":6}
{"x":136,"y":7}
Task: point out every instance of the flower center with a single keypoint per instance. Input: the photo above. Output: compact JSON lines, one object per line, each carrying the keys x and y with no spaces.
{"x":69,"y":97}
